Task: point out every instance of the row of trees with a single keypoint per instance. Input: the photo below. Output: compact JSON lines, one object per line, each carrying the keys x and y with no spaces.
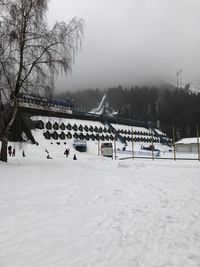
{"x":169,"y":106}
{"x":31,"y":55}
{"x":84,"y":100}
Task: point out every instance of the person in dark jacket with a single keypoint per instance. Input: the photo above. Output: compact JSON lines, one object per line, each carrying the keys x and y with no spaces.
{"x":74,"y":157}
{"x":10,"y":151}
{"x":66,"y":152}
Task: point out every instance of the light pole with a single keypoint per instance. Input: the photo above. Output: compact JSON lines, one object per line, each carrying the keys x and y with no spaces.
{"x":177,"y":80}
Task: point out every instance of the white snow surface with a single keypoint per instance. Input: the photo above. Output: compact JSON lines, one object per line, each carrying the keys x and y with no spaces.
{"x":191,"y":140}
{"x":97,"y":211}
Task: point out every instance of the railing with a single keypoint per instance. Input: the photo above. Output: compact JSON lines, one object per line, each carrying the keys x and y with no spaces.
{"x":121,"y":139}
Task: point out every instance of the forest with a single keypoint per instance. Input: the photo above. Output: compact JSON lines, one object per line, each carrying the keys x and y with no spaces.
{"x":165,"y":107}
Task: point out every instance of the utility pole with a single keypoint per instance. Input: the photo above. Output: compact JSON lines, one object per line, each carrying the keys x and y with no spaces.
{"x":180,"y":73}
{"x":174,"y":142}
{"x":132,"y":142}
{"x":177,"y":79}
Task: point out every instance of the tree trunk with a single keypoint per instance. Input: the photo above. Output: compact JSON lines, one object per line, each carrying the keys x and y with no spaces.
{"x":6,"y":127}
{"x":4,"y":149}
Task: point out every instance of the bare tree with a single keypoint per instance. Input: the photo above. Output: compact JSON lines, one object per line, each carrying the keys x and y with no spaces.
{"x":30,"y":53}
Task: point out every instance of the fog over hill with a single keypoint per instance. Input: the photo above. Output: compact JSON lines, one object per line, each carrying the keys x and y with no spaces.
{"x":132,"y":41}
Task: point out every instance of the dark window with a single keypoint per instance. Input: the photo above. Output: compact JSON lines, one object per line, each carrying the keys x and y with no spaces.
{"x":80,"y":128}
{"x":75,"y":128}
{"x":55,"y":126}
{"x":87,"y":137}
{"x":92,"y":137}
{"x":69,"y":135}
{"x":95,"y":129}
{"x":107,"y":137}
{"x":86,"y":128}
{"x":75,"y":136}
{"x":102,"y":137}
{"x":54,"y":135}
{"x":47,"y":135}
{"x":62,"y":126}
{"x":62,"y":136}
{"x":69,"y":127}
{"x":49,"y":125}
{"x":100,"y":130}
{"x":97,"y":137}
{"x":104,"y":130}
{"x":81,"y":136}
{"x":91,"y":129}
{"x":40,"y":125}
{"x":111,"y":137}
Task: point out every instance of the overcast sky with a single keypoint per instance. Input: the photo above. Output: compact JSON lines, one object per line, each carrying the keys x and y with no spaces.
{"x":132,"y":41}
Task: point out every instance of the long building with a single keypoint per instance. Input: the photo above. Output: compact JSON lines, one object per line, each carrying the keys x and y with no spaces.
{"x":56,"y":120}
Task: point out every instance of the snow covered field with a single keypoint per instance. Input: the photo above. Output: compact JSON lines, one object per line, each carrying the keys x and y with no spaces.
{"x":98,"y":212}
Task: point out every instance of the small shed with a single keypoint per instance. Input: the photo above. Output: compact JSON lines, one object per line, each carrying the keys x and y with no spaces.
{"x":187,"y":145}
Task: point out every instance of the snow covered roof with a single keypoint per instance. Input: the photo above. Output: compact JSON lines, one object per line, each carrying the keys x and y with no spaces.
{"x":187,"y":141}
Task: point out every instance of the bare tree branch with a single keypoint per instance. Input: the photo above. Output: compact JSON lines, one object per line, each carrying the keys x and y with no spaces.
{"x":30,"y":53}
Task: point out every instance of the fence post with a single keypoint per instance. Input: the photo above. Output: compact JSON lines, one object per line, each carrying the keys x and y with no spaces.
{"x":132,"y":142}
{"x":152,"y":146}
{"x":174,"y":145}
{"x":98,"y":145}
{"x":115,"y":147}
{"x":198,"y":142}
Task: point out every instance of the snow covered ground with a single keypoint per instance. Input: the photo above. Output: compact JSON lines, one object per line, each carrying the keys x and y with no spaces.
{"x":97,"y":211}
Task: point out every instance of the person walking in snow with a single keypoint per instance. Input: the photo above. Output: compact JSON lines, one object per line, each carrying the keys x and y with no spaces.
{"x":66,"y":152}
{"x":74,"y":157}
{"x":13,"y":152}
{"x":10,"y":151}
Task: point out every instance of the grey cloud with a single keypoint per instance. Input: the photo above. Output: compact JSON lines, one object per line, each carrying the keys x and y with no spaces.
{"x":129,"y":41}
